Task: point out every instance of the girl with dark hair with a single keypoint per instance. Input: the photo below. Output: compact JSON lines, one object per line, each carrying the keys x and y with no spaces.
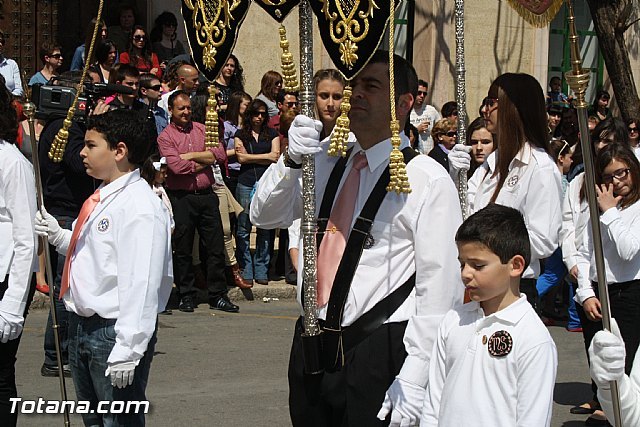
{"x":164,"y":38}
{"x":230,"y":80}
{"x":238,"y":103}
{"x":617,"y":173}
{"x":270,"y":85}
{"x":105,"y":53}
{"x":79,"y":56}
{"x":139,"y":53}
{"x":600,"y":107}
{"x":481,"y":142}
{"x":257,"y":146}
{"x":520,"y":173}
{"x":154,"y":171}
{"x":634,"y":135}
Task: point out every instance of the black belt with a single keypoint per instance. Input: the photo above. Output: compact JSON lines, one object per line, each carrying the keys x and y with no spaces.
{"x":198,"y":192}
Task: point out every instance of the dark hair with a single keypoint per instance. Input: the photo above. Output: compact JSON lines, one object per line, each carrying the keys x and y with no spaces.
{"x":327,"y":74}
{"x":253,"y":108}
{"x":145,"y":53}
{"x":559,"y":147}
{"x":449,"y":109}
{"x":89,"y":35}
{"x":124,"y":71}
{"x":233,"y":106}
{"x":176,"y":94}
{"x":554,"y":78}
{"x":501,"y":229}
{"x":406,"y":77}
{"x":522,"y":117}
{"x":165,"y":18}
{"x":146,"y":79}
{"x":102,"y":50}
{"x":199,"y":107}
{"x":282,"y":93}
{"x":611,"y":125}
{"x":268,"y":83}
{"x":624,"y":154}
{"x":237,"y":78}
{"x":122,"y":126}
{"x":631,"y":120}
{"x":147,"y":171}
{"x":423,"y":83}
{"x":171,"y":73}
{"x":8,"y":115}
{"x":47,"y":49}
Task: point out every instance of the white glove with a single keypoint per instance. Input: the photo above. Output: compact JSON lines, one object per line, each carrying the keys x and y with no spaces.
{"x":459,"y":159}
{"x":304,"y":137}
{"x":46,"y":225}
{"x":10,"y":326}
{"x":122,"y":373}
{"x":607,"y":354}
{"x":404,"y":400}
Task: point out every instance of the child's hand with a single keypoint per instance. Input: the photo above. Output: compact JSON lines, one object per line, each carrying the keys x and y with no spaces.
{"x":606,"y":198}
{"x":592,"y":309}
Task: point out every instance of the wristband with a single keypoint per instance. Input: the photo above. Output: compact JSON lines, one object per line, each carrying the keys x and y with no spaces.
{"x":290,"y":163}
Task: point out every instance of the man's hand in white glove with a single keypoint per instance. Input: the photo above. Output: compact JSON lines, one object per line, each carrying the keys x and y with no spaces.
{"x":459,"y":159}
{"x":10,"y":326}
{"x":404,"y":400}
{"x":304,"y":137}
{"x":121,"y":373}
{"x":46,"y":225}
{"x":607,"y":354}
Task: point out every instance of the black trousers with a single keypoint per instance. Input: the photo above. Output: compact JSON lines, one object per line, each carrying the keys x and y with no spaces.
{"x":352,"y":396}
{"x":201,"y":212}
{"x":8,"y":353}
{"x":528,"y":287}
{"x":624,"y":299}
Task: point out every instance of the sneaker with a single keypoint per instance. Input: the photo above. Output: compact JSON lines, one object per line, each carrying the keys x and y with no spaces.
{"x":186,"y":304}
{"x":223,"y":304}
{"x":52,"y":371}
{"x":578,"y":329}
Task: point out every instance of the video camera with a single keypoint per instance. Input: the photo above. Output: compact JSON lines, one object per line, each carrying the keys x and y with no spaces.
{"x":54,"y":101}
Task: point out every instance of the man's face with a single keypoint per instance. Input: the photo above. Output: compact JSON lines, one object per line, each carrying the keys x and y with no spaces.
{"x":421,"y":96}
{"x":98,"y":158}
{"x":127,"y":19}
{"x":290,"y":103}
{"x":154,"y":90}
{"x":190,"y":80}
{"x":131,"y":82}
{"x":55,"y":59}
{"x":181,"y":111}
{"x":370,"y":100}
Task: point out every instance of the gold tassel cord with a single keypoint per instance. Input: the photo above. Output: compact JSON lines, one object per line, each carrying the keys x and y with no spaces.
{"x":211,"y":120}
{"x":338,"y":144}
{"x":60,"y":141}
{"x":288,"y":67}
{"x":534,"y":11}
{"x":399,"y":181}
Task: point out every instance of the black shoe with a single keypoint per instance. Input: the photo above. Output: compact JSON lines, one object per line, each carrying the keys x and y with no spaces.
{"x":168,"y":311}
{"x":186,"y":304}
{"x":223,"y":304}
{"x":52,"y":371}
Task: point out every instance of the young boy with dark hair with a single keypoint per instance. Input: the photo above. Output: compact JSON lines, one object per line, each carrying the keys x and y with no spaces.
{"x":117,"y":274}
{"x":494,"y":362}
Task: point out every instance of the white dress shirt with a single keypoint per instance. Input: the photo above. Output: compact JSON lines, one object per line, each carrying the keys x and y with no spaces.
{"x":620,"y":232}
{"x":121,"y":267}
{"x":11,"y":73}
{"x":18,"y":254}
{"x":534,"y":187}
{"x":470,"y":387}
{"x":429,"y":113}
{"x":412,"y":232}
{"x":575,"y":216}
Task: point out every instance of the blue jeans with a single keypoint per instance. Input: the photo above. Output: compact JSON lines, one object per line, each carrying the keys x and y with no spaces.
{"x":57,"y":264}
{"x":554,"y":272}
{"x":257,"y":266}
{"x":574,"y":319}
{"x":91,"y":340}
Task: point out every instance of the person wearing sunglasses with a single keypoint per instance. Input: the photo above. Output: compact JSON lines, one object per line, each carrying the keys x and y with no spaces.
{"x":150,"y":90}
{"x":139,"y":53}
{"x":444,"y":136}
{"x":286,"y":101}
{"x":634,"y":135}
{"x":9,"y":70}
{"x":165,"y":39}
{"x":423,"y":117}
{"x":51,"y":58}
{"x":270,"y":86}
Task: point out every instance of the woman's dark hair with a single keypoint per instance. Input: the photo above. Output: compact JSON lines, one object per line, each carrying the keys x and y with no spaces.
{"x":246,"y":129}
{"x":268,"y":83}
{"x":199,"y":107}
{"x":631,"y":120}
{"x":559,"y":147}
{"x":624,"y":154}
{"x":600,"y":94}
{"x":233,"y":106}
{"x":237,"y":78}
{"x":522,"y":117}
{"x":145,"y":53}
{"x":102,"y":50}
{"x":8,"y":115}
{"x":165,"y":18}
{"x":89,"y":35}
{"x":449,"y":109}
{"x":147,"y":171}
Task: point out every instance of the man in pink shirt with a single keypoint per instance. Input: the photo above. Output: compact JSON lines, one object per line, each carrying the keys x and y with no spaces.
{"x":195,"y":205}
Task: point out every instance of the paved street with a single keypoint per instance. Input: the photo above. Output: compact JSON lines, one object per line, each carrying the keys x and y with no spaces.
{"x":218,"y":369}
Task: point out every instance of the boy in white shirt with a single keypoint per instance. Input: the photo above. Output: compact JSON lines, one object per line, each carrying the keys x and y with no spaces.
{"x":494,"y":362}
{"x":118,"y":273}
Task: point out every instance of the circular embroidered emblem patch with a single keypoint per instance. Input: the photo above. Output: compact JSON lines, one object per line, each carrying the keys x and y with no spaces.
{"x":500,"y":344}
{"x":511,"y":182}
{"x":369,"y":241}
{"x":103,"y":225}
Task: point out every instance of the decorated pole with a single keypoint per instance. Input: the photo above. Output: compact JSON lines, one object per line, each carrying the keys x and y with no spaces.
{"x":461,"y":100}
{"x":578,"y":79}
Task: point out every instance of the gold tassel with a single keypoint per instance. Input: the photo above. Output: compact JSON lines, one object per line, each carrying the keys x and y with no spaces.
{"x":288,"y":67}
{"x":211,"y":120}
{"x":338,"y":144}
{"x":538,"y":20}
{"x":60,"y":141}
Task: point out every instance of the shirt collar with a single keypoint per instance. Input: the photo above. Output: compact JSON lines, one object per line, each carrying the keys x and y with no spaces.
{"x":118,"y":184}
{"x":511,"y":314}
{"x":379,"y":153}
{"x":181,"y":129}
{"x":523,"y":156}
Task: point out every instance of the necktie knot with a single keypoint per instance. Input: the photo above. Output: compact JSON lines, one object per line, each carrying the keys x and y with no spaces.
{"x":359,"y":161}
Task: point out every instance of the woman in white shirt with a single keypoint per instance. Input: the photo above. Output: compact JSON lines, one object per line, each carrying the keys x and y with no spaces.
{"x":519,"y":173}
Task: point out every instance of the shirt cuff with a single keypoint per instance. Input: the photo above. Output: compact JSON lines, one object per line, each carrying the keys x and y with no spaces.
{"x":415,"y":371}
{"x":584,"y":294}
{"x":609,"y":216}
{"x":120,"y":354}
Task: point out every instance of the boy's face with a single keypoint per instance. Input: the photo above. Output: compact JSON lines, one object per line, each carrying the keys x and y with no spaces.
{"x":100,"y":160}
{"x":483,"y":274}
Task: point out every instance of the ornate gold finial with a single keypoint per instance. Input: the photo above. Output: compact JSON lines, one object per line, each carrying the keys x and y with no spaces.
{"x":399,"y":181}
{"x":578,"y":77}
{"x":211,"y":120}
{"x":338,"y":144}
{"x":289,"y":74}
{"x":60,"y":141}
